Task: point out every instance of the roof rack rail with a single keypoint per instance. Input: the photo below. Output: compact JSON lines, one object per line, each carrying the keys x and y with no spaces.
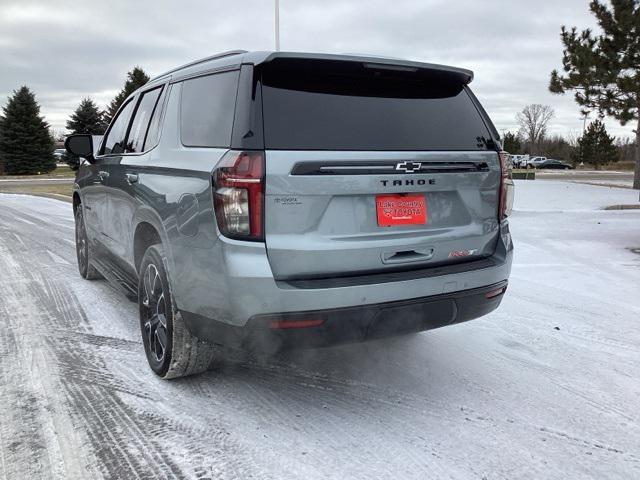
{"x":202,"y":60}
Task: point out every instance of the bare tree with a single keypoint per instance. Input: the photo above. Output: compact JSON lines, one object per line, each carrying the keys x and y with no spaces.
{"x":533,"y":121}
{"x":572,"y":138}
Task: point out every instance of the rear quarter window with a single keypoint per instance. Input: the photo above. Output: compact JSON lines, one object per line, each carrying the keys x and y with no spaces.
{"x":207,"y":108}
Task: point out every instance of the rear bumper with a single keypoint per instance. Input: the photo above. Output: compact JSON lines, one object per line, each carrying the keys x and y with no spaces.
{"x":239,"y":284}
{"x":351,"y":324}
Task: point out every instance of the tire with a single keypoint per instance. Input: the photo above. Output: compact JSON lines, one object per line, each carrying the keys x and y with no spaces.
{"x":171,"y":350}
{"x":83,"y":252}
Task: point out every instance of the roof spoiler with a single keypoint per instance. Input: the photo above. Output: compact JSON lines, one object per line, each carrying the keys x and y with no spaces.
{"x":461,"y":74}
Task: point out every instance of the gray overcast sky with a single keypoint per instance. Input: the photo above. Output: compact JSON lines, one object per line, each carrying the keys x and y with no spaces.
{"x":66,"y":50}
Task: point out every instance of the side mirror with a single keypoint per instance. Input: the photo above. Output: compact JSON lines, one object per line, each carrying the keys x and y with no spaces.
{"x":80,"y":145}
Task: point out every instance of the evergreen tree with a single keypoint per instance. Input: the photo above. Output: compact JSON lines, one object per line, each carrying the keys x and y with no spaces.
{"x":87,"y":118}
{"x":135,"y":79}
{"x":1,"y":160}
{"x":596,"y":147}
{"x":604,"y":69}
{"x":511,"y":143}
{"x":26,"y":146}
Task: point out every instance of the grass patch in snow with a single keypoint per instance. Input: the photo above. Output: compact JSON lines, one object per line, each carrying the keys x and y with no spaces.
{"x":65,"y":189}
{"x":60,"y":172}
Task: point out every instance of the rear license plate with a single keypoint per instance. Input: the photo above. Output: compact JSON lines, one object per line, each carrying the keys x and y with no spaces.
{"x":401,"y":210}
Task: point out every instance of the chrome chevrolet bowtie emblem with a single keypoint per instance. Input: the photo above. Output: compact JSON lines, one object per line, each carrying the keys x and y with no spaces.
{"x":409,"y":167}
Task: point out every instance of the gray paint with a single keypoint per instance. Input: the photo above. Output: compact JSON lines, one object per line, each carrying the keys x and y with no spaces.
{"x":332,"y":231}
{"x":326,"y":224}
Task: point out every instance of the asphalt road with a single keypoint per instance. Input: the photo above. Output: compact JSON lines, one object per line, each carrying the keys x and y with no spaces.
{"x":545,"y":387}
{"x":594,"y":177}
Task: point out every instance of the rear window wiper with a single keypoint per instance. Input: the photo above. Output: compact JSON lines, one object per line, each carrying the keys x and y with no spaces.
{"x":488,"y":143}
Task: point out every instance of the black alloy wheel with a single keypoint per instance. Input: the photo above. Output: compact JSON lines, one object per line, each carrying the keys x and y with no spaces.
{"x":83,"y":253}
{"x":154,"y":312}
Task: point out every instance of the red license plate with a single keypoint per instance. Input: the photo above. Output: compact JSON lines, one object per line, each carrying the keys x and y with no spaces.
{"x":401,"y":210}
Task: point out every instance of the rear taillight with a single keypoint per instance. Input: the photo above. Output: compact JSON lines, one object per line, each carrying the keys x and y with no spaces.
{"x":506,"y":186}
{"x":495,"y":293}
{"x":238,"y":192}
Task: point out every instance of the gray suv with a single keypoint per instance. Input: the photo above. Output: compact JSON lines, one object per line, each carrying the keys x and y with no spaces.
{"x":271,"y":199}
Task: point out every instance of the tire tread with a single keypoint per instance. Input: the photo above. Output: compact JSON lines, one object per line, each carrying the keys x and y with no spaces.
{"x":189,"y":354}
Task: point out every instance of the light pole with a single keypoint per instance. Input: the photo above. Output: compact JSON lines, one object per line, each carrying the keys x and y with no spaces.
{"x":584,"y":120}
{"x":584,"y":129}
{"x":277,"y":25}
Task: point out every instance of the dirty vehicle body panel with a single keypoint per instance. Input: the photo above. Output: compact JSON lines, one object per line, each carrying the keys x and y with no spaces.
{"x":321,"y":255}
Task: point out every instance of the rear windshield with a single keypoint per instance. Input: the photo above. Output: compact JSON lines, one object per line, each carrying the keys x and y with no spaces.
{"x":328,"y":105}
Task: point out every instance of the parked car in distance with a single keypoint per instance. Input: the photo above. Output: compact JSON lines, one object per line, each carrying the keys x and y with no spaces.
{"x":554,"y":164}
{"x":533,"y":162}
{"x":519,"y":161}
{"x":60,"y":154}
{"x":275,"y":199}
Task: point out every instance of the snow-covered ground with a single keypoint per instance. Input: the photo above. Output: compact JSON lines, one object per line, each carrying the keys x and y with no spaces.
{"x":547,"y":386}
{"x":548,"y":196}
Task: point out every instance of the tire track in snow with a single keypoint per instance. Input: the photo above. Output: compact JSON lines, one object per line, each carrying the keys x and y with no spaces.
{"x":123,"y":440}
{"x":58,"y":221}
{"x":270,"y":420}
{"x":334,"y":398}
{"x":35,"y":424}
{"x":83,"y":373}
{"x":61,"y":310}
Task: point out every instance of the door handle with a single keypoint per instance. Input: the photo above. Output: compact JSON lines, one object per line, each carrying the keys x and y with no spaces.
{"x":131,"y":178}
{"x":408,"y":256}
{"x":103,"y":175}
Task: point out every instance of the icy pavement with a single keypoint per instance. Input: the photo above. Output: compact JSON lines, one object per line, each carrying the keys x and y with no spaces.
{"x":545,"y":387}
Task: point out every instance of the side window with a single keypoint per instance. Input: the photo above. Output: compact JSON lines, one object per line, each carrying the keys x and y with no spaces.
{"x":114,"y":142}
{"x":207,"y":108}
{"x":141,"y":119}
{"x":153,"y":134}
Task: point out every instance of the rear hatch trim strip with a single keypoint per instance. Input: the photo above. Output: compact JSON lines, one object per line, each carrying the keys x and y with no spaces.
{"x":374,"y":168}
